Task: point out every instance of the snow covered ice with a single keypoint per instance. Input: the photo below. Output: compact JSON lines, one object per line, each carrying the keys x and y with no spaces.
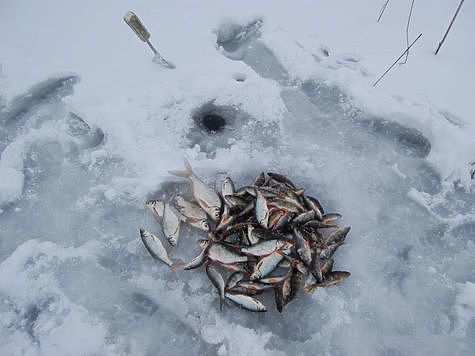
{"x":89,"y":127}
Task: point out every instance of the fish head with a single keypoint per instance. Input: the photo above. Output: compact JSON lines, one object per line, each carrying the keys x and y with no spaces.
{"x":203,"y":243}
{"x":215,"y":213}
{"x":204,"y":225}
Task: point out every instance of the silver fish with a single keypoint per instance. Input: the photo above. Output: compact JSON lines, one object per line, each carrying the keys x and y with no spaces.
{"x":297,"y":281}
{"x":262,"y":211}
{"x":227,"y":187}
{"x":155,"y":247}
{"x":313,"y":204}
{"x":282,"y":293}
{"x":203,"y":194}
{"x":333,"y":278}
{"x":273,"y":280}
{"x":218,"y":281}
{"x":266,"y":265}
{"x":282,"y":179}
{"x":303,"y":249}
{"x":255,"y":286}
{"x":171,"y":224}
{"x":329,"y":250}
{"x":304,"y":217}
{"x":260,"y":179}
{"x":338,"y":236}
{"x":221,"y":254}
{"x":319,"y":225}
{"x":198,"y":260}
{"x":315,"y":267}
{"x":234,"y":279}
{"x":247,"y":302}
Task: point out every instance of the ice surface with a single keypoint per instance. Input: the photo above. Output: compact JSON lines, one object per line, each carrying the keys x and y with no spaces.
{"x":80,"y":158}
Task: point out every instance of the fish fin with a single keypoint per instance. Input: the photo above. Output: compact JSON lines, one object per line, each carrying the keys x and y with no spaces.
{"x":188,"y":172}
{"x":310,"y":288}
{"x":177,"y":265}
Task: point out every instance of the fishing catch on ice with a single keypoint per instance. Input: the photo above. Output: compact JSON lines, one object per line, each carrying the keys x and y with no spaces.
{"x":269,"y":236}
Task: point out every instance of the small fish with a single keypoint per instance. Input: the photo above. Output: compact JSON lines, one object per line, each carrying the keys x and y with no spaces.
{"x":156,"y":249}
{"x":282,"y":179}
{"x":329,"y":250}
{"x":319,"y":225}
{"x":217,"y":252}
{"x":234,"y":279}
{"x":227,"y":187}
{"x":218,"y":281}
{"x":338,"y":236}
{"x":266,"y":265}
{"x":247,"y":302}
{"x":260,"y":179}
{"x":282,"y":293}
{"x":266,"y":247}
{"x":262,"y":211}
{"x":304,"y":217}
{"x":297,"y":281}
{"x":156,"y":207}
{"x":328,"y":218}
{"x":273,"y":280}
{"x":315,"y":267}
{"x":333,"y":278}
{"x":313,"y":204}
{"x":303,"y":248}
{"x":203,"y":194}
{"x":243,"y":290}
{"x":171,"y":224}
{"x":255,"y":286}
{"x":198,"y":260}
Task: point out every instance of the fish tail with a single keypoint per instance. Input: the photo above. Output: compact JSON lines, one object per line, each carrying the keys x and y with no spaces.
{"x":222,"y":302}
{"x":188,"y":172}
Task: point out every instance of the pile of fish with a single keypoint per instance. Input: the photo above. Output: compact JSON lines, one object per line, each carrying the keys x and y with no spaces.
{"x":265,"y":236}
